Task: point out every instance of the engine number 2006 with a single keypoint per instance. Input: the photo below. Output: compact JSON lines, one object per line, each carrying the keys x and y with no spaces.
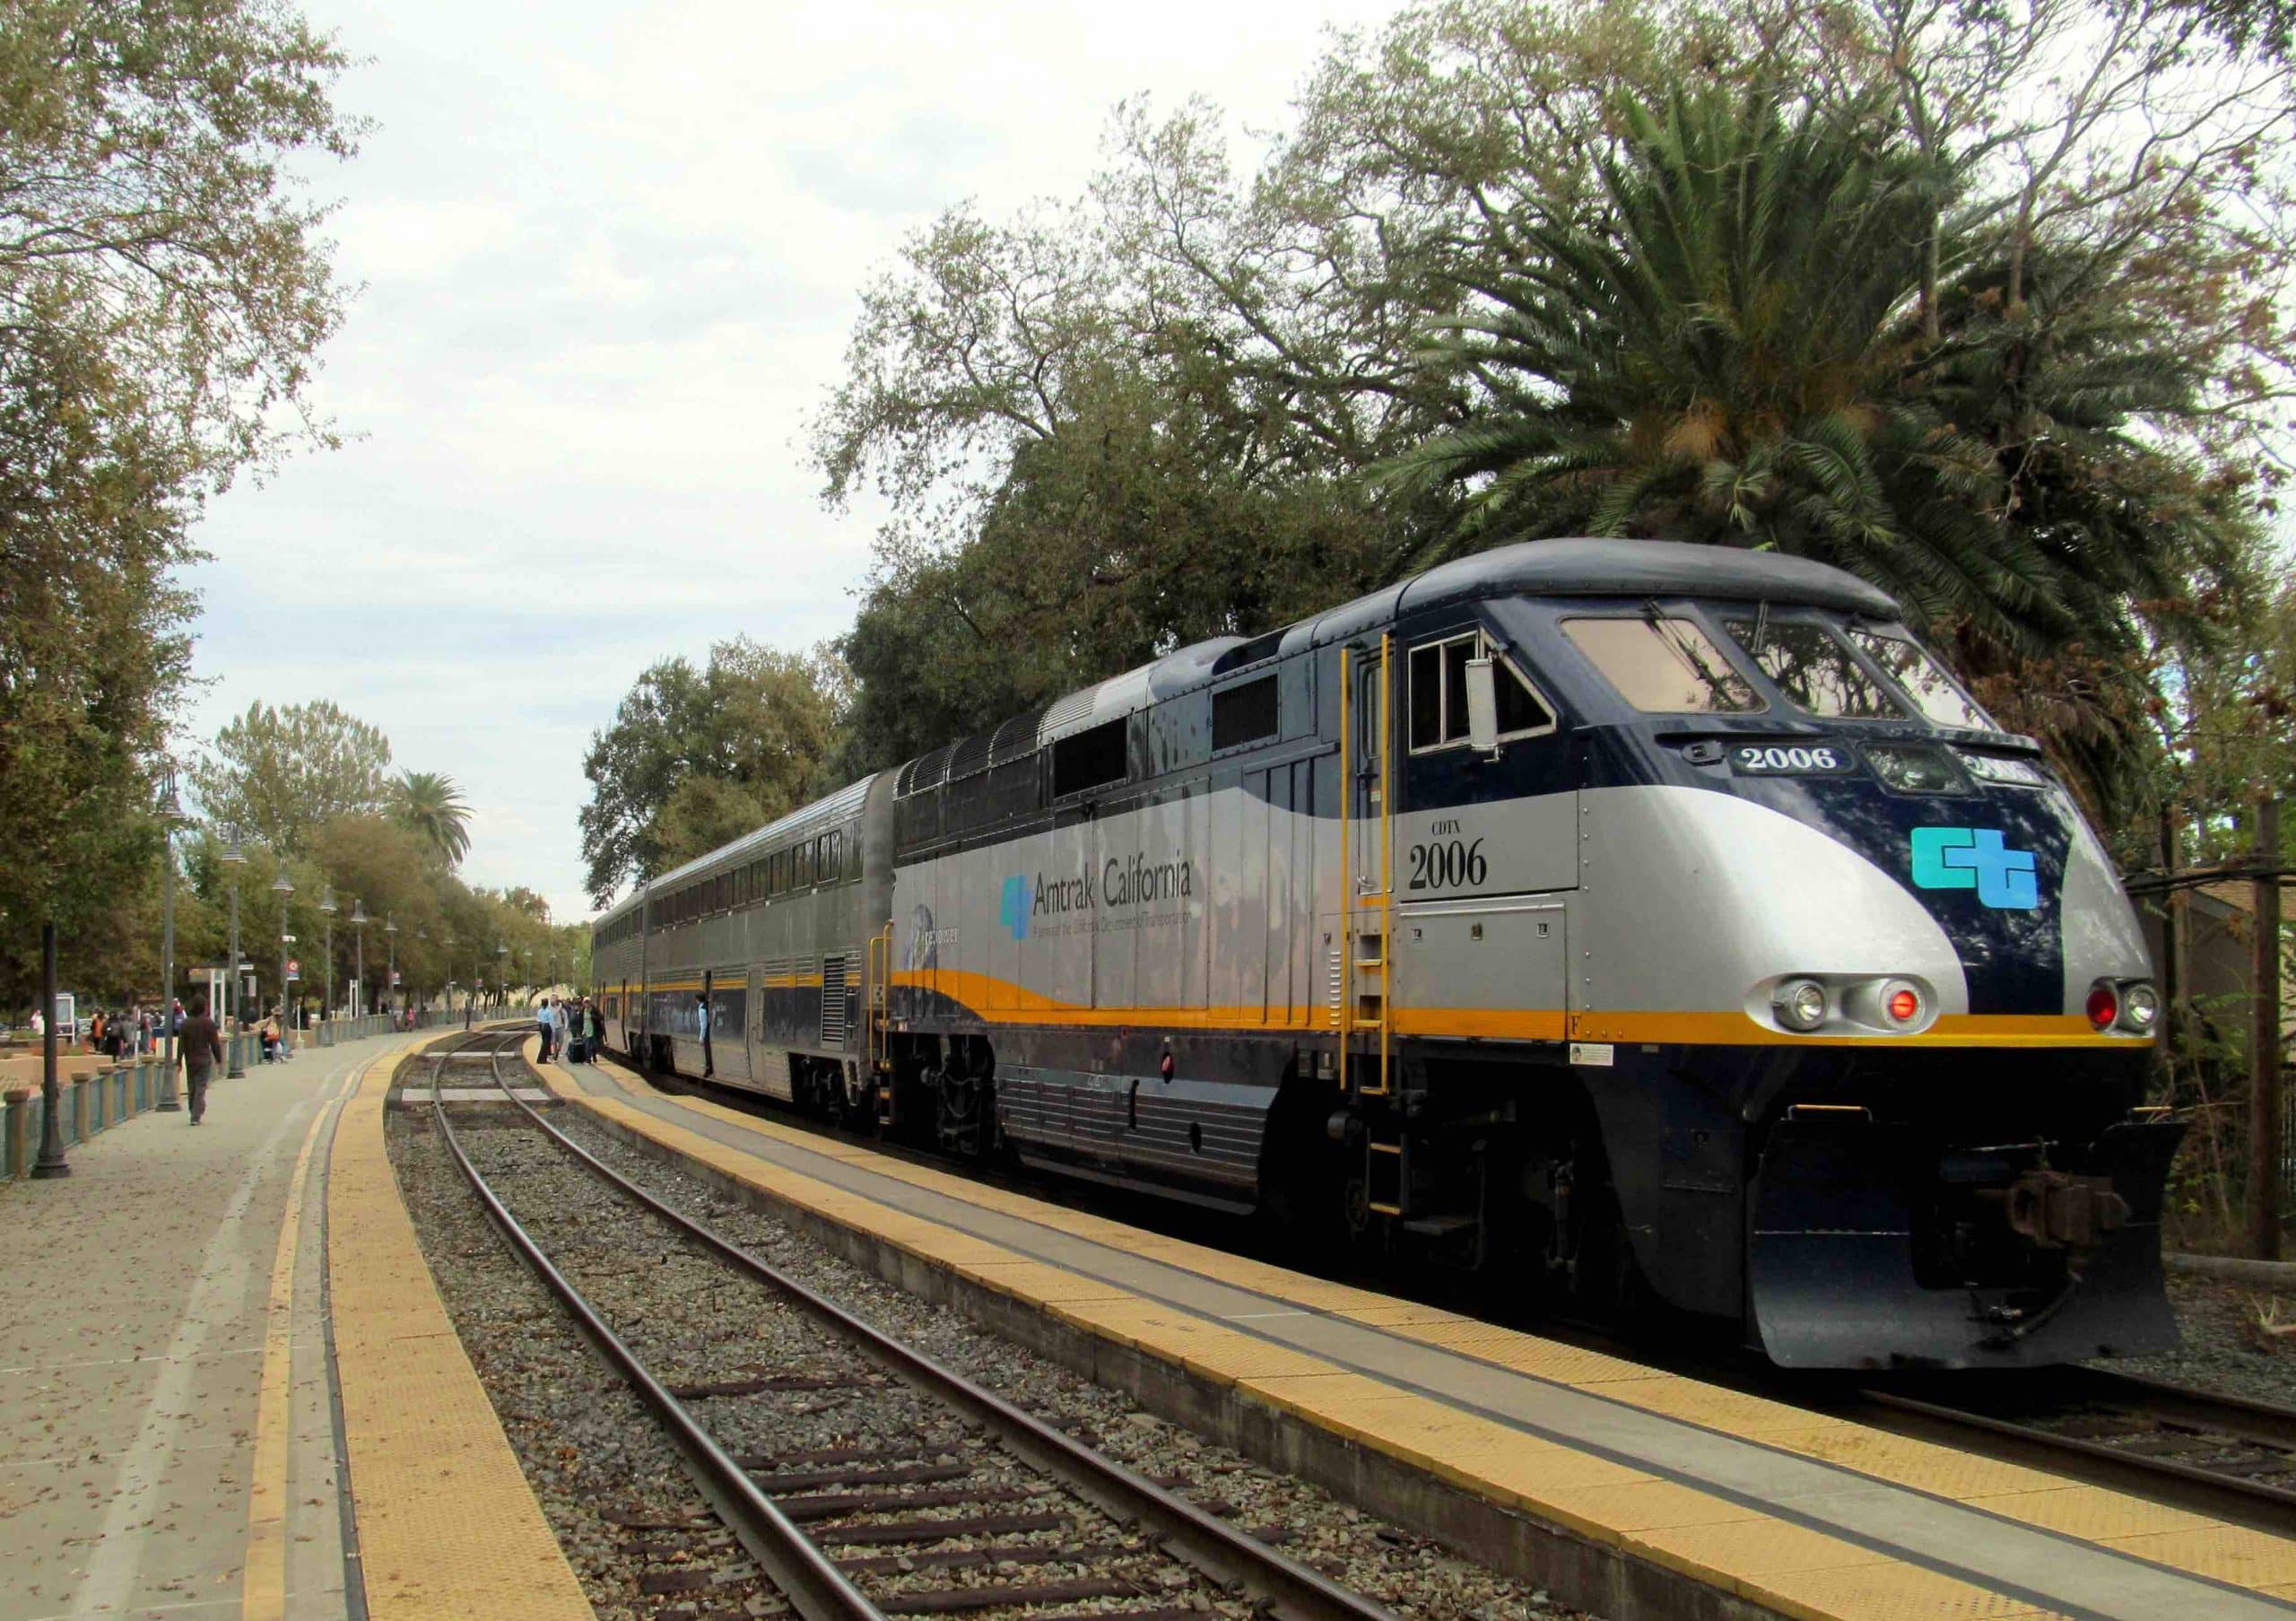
{"x":1779,"y":760}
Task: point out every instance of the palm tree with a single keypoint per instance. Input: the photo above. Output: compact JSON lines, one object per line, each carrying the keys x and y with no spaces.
{"x":429,"y":805}
{"x":1737,"y":354}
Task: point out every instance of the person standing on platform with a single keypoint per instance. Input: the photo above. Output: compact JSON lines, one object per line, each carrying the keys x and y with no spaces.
{"x":543,"y":1028}
{"x":201,"y":1046}
{"x":701,"y":1007}
{"x":558,"y":1023}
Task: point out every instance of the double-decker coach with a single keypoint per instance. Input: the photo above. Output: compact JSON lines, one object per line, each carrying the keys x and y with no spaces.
{"x":1613,"y":916}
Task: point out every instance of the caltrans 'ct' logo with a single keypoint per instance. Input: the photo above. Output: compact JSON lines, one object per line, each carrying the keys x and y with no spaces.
{"x":1012,"y":911}
{"x":1975,"y":858}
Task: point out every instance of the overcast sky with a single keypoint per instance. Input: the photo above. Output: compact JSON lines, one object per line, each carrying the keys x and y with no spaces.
{"x":610,"y":259}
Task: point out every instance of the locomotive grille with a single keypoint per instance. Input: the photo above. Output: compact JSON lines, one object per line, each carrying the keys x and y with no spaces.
{"x":832,"y":1001}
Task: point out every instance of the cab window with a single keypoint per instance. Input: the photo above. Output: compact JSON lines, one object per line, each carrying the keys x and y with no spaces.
{"x":1666,"y":667}
{"x":1937,"y":695}
{"x":1808,"y":665}
{"x":1438,"y":693}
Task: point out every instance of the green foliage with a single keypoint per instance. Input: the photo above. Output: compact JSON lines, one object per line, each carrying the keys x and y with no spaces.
{"x":1879,"y":283}
{"x":147,"y":207}
{"x":93,"y":653}
{"x":277,"y":775}
{"x":161,"y":292}
{"x":758,"y":724}
{"x":429,"y":805}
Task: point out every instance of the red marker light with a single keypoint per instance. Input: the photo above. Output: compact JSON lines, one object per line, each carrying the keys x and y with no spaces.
{"x":2104,"y":1007}
{"x":1904,"y":1006}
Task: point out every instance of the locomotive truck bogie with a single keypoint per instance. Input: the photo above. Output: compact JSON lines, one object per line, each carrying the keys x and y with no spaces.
{"x":1605,"y":918}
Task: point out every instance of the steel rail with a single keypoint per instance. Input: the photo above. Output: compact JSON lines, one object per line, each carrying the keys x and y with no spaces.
{"x":1282,"y":1586}
{"x":2178,"y":1406}
{"x":806,"y":1575}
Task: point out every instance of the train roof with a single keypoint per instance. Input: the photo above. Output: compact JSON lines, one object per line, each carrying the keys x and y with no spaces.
{"x":1532,"y":568}
{"x":838,"y":806}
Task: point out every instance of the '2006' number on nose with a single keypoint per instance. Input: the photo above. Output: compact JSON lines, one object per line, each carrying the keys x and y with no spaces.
{"x":1447,"y":864}
{"x":1773,"y":759}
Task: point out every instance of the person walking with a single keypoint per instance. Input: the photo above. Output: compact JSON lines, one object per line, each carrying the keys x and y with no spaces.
{"x":595,"y":1029}
{"x":203,"y":1050}
{"x":701,"y":1011}
{"x":558,"y":1023}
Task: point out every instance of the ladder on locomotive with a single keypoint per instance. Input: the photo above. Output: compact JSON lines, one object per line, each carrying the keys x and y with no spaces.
{"x":1366,"y":1038}
{"x":878,"y":965}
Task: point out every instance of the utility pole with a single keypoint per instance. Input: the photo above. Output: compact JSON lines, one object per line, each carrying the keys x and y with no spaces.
{"x":170,"y":812}
{"x":2264,"y":1040}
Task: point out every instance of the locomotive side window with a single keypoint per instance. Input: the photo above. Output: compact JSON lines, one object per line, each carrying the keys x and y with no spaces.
{"x":1438,"y":693}
{"x":1244,"y":713}
{"x":1934,"y":693}
{"x":1089,"y":759}
{"x":1666,"y":667}
{"x":1813,"y":670}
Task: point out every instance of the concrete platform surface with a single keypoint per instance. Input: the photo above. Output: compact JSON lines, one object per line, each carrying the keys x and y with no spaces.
{"x":145,"y":1456}
{"x":1774,"y":1506}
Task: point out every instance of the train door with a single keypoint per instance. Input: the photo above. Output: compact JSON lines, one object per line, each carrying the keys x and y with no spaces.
{"x":1485,"y":842}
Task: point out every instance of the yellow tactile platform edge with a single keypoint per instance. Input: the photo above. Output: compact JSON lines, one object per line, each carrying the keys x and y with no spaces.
{"x":2171,"y":1538}
{"x":448,"y":1526}
{"x":1785,"y":1568}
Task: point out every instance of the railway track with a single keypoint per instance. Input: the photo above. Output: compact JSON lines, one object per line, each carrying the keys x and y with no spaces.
{"x":2228,"y":1451}
{"x":981,"y":1509}
{"x":2225,"y":1455}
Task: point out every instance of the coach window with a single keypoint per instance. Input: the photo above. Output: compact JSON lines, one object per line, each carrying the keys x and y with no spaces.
{"x":1438,"y":693}
{"x":1665,"y":667}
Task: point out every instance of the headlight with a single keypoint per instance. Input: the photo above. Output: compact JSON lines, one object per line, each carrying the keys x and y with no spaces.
{"x":2140,"y":1005}
{"x":1799,"y":1004}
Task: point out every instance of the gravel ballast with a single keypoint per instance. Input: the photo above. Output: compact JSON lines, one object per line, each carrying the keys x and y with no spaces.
{"x":2228,"y":1348}
{"x":612,"y":1487}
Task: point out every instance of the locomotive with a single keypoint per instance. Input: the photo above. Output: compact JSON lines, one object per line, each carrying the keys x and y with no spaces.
{"x":1623,"y":921}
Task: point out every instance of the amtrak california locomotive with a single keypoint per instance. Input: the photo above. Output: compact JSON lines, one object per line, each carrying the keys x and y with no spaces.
{"x":1617,"y":918}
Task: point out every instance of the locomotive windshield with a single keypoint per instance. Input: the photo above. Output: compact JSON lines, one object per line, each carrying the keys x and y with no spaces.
{"x":1811,"y":667}
{"x":1666,"y":667}
{"x":1938,"y":695}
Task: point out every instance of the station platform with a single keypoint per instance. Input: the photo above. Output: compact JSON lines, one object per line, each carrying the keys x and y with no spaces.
{"x":225,"y":1391}
{"x":1630,"y":1491}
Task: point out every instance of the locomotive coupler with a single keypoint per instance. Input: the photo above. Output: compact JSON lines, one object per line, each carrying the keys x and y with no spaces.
{"x":2057,"y":1210}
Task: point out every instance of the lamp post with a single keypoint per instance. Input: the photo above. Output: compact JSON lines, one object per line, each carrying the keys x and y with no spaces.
{"x":328,"y":909}
{"x":358,"y":921}
{"x":503,"y":974}
{"x":171,"y":814}
{"x":234,"y":857}
{"x":390,"y":974}
{"x":51,"y":1161}
{"x":280,"y":887}
{"x":422,"y":937}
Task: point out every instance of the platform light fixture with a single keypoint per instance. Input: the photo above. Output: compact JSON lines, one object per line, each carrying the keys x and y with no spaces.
{"x":280,"y":887}
{"x":171,"y":817}
{"x":328,"y":909}
{"x":234,"y":856}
